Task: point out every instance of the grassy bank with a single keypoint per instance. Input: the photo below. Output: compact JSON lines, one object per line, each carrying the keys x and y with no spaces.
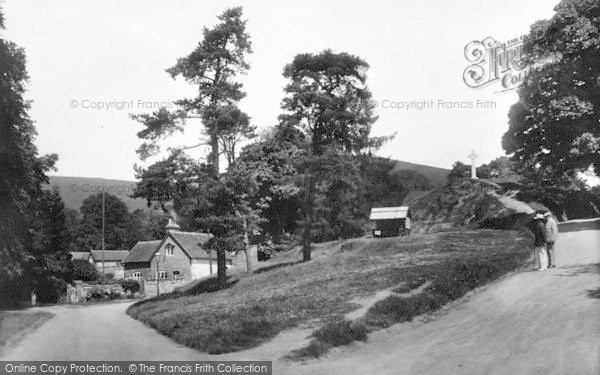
{"x":257,"y":307}
{"x":15,"y":324}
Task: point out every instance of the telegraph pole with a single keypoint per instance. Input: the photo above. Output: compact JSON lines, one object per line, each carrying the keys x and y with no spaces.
{"x":103,"y":209}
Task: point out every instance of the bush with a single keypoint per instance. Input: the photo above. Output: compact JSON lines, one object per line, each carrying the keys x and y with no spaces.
{"x":314,"y":350}
{"x":130,"y":285}
{"x":337,"y":332}
{"x":84,"y":270}
{"x":396,"y":309}
{"x":341,"y":332}
{"x":50,"y":289}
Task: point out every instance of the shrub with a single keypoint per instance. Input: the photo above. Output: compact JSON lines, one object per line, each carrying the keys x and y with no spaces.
{"x":50,"y":289}
{"x":341,"y":332}
{"x":337,"y":332}
{"x":313,"y":350}
{"x":130,"y":285}
{"x":396,"y":309}
{"x":84,"y":270}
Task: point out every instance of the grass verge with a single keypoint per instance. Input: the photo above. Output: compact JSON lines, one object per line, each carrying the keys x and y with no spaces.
{"x":14,"y":325}
{"x":258,"y":307}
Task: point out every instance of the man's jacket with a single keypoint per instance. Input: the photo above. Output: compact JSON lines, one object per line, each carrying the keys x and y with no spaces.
{"x":539,"y":231}
{"x":551,"y":230}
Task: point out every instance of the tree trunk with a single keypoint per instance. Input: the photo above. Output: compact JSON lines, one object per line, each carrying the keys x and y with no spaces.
{"x":214,"y":154}
{"x":221,"y":266}
{"x":308,"y":218}
{"x":246,"y":247}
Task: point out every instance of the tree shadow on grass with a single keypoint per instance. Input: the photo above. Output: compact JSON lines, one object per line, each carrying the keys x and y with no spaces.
{"x":277,"y":266}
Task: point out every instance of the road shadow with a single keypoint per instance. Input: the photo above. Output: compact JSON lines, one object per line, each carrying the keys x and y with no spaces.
{"x":594,"y":293}
{"x":578,"y":269}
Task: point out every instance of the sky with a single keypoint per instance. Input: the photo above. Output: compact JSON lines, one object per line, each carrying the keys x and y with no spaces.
{"x":93,"y":63}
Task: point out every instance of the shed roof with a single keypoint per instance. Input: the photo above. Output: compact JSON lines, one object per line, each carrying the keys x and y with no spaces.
{"x":143,"y":251}
{"x":389,"y":213}
{"x":109,"y":255}
{"x":84,"y":255}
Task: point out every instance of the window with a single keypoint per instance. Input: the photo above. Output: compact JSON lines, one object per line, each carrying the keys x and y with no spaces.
{"x":169,"y":249}
{"x":137,"y":275}
{"x":163,"y":275}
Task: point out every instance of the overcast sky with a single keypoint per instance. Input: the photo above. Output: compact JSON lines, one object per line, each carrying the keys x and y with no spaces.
{"x":82,"y":53}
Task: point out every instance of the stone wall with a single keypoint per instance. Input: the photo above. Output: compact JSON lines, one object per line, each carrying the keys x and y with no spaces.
{"x":165,"y":286}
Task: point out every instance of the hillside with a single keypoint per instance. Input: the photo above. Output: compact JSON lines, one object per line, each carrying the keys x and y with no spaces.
{"x":437,"y":176}
{"x":472,"y":203}
{"x":74,"y":190}
{"x":421,"y":273}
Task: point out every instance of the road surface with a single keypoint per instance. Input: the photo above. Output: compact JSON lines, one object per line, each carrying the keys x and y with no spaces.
{"x":527,"y":323}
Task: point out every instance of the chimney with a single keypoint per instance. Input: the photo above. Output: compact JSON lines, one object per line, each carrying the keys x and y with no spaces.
{"x":171,"y":226}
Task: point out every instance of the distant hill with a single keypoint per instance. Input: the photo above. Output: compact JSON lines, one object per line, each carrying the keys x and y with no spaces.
{"x":74,"y":190}
{"x":437,"y":176}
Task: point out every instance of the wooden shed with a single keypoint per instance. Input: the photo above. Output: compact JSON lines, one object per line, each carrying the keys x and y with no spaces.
{"x":390,"y":221}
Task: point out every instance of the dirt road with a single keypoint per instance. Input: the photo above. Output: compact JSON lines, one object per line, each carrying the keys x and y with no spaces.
{"x":528,"y":323}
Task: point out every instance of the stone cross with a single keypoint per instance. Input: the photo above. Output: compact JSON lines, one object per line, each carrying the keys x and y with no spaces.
{"x":473,"y":157}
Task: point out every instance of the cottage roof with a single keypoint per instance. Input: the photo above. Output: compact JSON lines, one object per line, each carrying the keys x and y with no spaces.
{"x":143,"y":251}
{"x":84,"y":255}
{"x":191,"y":243}
{"x":389,"y":213}
{"x":109,"y":255}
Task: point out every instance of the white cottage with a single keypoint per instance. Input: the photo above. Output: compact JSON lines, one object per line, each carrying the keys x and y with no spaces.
{"x":178,"y":255}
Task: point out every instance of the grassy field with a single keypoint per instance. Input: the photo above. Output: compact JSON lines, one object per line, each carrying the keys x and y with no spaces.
{"x":15,"y":324}
{"x":253,"y":309}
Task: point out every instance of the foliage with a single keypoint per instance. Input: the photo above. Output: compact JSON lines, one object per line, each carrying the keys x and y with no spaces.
{"x":212,"y":66}
{"x":205,"y":199}
{"x":337,"y":332}
{"x":553,"y":132}
{"x":501,"y":167}
{"x":327,"y":102}
{"x":130,"y":285}
{"x":21,"y":196}
{"x":459,"y":171}
{"x":84,"y":270}
{"x":119,"y":232}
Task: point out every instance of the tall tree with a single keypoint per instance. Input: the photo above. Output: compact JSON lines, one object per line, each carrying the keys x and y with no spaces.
{"x":22,"y":173}
{"x":212,"y":66}
{"x":117,"y":224}
{"x":50,"y":267}
{"x":271,"y":159}
{"x":554,"y":132}
{"x":327,"y":100}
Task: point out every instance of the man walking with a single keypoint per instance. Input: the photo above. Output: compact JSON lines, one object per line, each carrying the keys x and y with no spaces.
{"x":551,"y":234}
